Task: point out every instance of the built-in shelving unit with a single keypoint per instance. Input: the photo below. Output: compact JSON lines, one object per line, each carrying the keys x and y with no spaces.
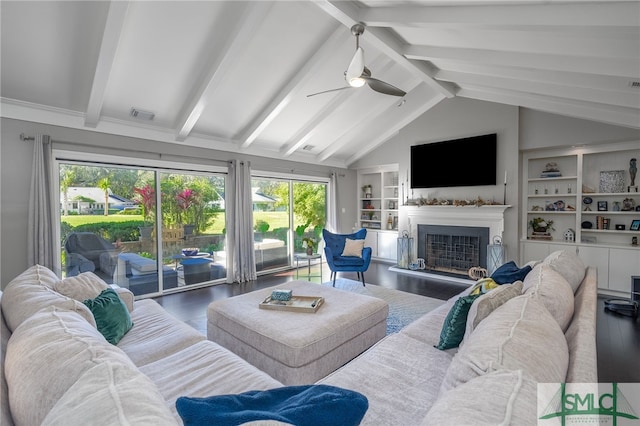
{"x":587,"y":216}
{"x":378,"y":205}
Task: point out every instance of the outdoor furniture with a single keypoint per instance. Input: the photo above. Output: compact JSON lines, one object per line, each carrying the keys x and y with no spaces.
{"x":140,"y":274}
{"x":298,"y":347}
{"x":334,"y":249}
{"x":81,"y":247}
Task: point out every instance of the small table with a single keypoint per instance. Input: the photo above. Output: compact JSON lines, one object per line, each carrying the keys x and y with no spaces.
{"x":308,"y":257}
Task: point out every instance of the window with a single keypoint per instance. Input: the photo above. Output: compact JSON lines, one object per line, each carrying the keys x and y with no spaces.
{"x":128,"y":223}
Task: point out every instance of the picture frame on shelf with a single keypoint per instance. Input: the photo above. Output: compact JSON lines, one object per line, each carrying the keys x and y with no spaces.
{"x":603,"y":206}
{"x":635,"y":225}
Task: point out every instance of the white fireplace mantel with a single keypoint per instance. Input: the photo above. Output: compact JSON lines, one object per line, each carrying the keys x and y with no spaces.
{"x":488,"y":216}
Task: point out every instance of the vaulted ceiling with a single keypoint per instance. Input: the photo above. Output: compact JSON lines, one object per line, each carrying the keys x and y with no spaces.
{"x":234,"y":76}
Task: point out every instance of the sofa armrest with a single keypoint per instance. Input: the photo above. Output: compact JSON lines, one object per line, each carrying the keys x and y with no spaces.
{"x":125,"y":295}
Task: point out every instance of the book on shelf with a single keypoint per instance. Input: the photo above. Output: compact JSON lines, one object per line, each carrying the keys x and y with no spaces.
{"x":541,"y":236}
{"x":550,"y":174}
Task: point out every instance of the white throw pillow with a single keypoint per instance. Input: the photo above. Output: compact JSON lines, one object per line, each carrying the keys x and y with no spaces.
{"x":569,"y":265}
{"x":81,"y":287}
{"x":353,"y":247}
{"x":488,"y":302}
{"x":555,"y":293}
{"x":519,"y":335}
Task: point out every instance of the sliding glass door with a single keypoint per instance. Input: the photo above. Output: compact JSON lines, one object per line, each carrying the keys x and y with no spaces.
{"x":144,"y":229}
{"x":288,"y":215}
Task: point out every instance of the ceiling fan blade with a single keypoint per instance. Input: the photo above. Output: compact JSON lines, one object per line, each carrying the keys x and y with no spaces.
{"x":382,"y":87}
{"x":356,"y":66}
{"x":330,"y":90}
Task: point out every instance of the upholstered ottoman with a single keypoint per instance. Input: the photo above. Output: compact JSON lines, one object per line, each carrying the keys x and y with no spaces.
{"x":298,"y":347}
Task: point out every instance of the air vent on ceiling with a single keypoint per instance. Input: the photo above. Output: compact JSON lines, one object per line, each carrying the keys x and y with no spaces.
{"x":142,"y":115}
{"x":308,"y":147}
{"x":635,"y":84}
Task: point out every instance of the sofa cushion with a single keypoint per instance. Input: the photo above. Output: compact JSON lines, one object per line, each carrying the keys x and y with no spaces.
{"x":156,"y":334}
{"x":312,"y":405}
{"x":488,"y":302}
{"x":553,"y":291}
{"x":111,"y":393}
{"x":81,"y":287}
{"x":36,"y":378}
{"x":455,"y":323}
{"x":353,"y":247}
{"x":502,"y":397}
{"x":517,"y":335}
{"x":569,"y":265}
{"x":32,"y":291}
{"x":111,"y":315}
{"x":138,"y":263}
{"x":509,"y":272}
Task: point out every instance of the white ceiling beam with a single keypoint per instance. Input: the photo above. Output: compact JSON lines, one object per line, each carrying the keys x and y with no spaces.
{"x":593,"y":81}
{"x":621,"y":67}
{"x":329,"y":44}
{"x":630,"y":98}
{"x":612,"y":14}
{"x":394,"y":119}
{"x":619,"y":116}
{"x":237,"y":41}
{"x":108,"y":49}
{"x":348,"y":14}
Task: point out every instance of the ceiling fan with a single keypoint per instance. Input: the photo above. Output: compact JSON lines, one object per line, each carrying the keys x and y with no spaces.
{"x":357,"y":75}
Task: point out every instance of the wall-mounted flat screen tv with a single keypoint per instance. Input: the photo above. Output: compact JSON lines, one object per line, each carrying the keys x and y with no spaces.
{"x":459,"y":162}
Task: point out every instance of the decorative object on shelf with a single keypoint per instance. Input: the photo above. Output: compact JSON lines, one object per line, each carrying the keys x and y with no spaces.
{"x":612,"y":181}
{"x":635,"y":225}
{"x":616,"y":206}
{"x":495,"y":255}
{"x":569,"y":235}
{"x":366,"y":190}
{"x":634,"y":241}
{"x":620,"y":227}
{"x":390,"y":222}
{"x":628,"y":204}
{"x":551,"y":170}
{"x":541,"y":228}
{"x":633,"y":169}
{"x":603,"y":206}
{"x":587,"y":202}
{"x":587,"y":225}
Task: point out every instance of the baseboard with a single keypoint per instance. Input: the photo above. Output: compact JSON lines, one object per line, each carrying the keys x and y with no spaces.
{"x":432,"y":276}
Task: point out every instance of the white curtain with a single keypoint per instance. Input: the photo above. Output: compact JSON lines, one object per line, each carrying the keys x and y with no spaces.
{"x":241,"y":258}
{"x":332,"y":213}
{"x":40,"y":231}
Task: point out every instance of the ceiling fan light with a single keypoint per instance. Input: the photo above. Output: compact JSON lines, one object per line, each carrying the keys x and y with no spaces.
{"x":357,"y":82}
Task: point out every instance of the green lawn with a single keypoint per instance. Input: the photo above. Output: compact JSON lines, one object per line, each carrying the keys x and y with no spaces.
{"x":274,"y":219}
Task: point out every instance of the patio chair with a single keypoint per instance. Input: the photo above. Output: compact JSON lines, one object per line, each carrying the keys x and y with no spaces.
{"x":81,"y":247}
{"x":346,"y":253}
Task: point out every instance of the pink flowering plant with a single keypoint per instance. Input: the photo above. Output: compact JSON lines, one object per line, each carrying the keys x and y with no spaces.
{"x":146,"y":196}
{"x":185,"y":199}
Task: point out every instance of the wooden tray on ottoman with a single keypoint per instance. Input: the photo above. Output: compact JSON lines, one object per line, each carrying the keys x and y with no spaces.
{"x":296,"y":304}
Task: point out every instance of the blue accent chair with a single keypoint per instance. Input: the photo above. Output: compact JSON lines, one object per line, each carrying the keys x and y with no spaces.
{"x":334,"y":246}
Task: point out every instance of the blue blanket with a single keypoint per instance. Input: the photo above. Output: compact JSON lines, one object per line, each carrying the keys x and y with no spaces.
{"x":309,"y":405}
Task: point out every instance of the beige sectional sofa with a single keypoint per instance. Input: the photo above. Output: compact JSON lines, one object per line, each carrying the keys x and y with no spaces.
{"x":60,"y":370}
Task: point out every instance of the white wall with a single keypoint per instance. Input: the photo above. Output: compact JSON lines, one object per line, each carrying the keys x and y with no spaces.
{"x":456,"y":118}
{"x":518,"y":129}
{"x":15,"y":171}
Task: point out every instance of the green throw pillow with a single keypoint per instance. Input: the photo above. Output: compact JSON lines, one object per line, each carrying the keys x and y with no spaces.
{"x":455,"y":323}
{"x":111,"y":315}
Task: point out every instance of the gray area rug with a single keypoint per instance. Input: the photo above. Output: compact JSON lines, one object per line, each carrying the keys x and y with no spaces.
{"x":404,"y":307}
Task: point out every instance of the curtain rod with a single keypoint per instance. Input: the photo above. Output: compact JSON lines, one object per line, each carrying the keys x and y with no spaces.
{"x":26,"y":138}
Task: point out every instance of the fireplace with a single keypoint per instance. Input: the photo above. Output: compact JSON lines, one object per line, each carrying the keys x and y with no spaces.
{"x":462,"y":235}
{"x":452,"y":249}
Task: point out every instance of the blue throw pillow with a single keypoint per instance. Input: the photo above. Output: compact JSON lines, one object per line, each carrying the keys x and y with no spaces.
{"x":510,"y":273}
{"x":455,"y":324}
{"x":308,"y":405}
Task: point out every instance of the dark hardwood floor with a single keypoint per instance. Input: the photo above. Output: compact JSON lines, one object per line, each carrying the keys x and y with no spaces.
{"x":618,"y":337}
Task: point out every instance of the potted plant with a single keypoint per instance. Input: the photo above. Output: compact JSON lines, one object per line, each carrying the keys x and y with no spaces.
{"x":311,"y":244}
{"x":146,"y":196}
{"x":185,"y":199}
{"x":366,"y":189}
{"x":541,"y":225}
